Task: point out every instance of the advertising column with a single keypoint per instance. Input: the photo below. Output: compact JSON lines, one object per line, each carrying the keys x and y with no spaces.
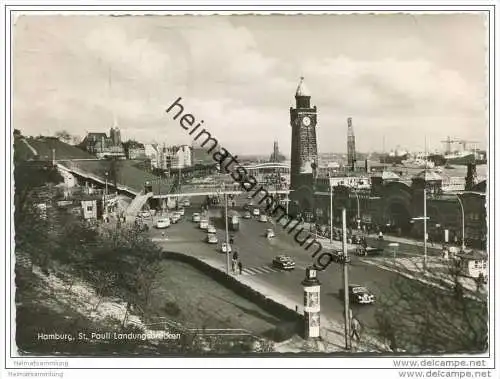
{"x":311,"y":304}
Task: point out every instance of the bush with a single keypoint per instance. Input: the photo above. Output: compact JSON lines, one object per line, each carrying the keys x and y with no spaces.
{"x":172,"y":309}
{"x":285,"y":331}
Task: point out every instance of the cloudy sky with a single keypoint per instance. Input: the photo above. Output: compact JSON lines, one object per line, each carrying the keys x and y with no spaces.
{"x":402,"y":78}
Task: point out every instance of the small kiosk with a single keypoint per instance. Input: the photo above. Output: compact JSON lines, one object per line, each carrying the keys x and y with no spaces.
{"x":473,"y":264}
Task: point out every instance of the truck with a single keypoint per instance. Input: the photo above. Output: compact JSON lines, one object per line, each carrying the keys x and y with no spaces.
{"x":233,"y":220}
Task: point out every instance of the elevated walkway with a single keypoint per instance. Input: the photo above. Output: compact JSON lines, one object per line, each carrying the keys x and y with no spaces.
{"x":136,"y":205}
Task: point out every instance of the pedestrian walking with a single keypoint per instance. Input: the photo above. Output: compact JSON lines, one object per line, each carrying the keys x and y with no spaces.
{"x":355,"y":328}
{"x":240,"y":267}
{"x":234,"y":265}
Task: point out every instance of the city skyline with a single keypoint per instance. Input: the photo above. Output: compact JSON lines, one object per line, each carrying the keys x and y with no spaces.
{"x":398,"y":76}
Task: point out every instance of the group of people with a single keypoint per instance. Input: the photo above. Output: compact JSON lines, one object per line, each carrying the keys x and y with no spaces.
{"x":236,"y":264}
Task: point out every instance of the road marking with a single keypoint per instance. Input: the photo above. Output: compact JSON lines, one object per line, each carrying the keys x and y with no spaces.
{"x":259,"y":270}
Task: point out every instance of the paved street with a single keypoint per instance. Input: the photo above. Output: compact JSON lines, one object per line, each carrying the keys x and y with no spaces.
{"x":256,"y":253}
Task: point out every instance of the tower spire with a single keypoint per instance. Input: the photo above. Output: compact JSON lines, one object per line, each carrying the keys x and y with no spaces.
{"x":301,"y":88}
{"x":351,"y":145}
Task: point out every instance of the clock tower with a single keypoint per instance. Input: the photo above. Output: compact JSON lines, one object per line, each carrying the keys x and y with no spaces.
{"x":304,"y":154}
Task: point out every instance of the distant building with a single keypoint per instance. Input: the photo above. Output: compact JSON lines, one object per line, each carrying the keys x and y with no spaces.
{"x":103,"y":146}
{"x":276,"y":156}
{"x":151,"y":152}
{"x":175,"y":157}
{"x":351,"y":145}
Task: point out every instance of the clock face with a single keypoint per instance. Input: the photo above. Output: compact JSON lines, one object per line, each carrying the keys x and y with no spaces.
{"x":306,"y":121}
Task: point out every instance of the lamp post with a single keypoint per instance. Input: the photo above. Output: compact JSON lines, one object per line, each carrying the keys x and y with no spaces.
{"x":463,"y":221}
{"x":347,"y":319}
{"x":106,"y":194}
{"x":359,"y":217}
{"x":331,"y":214}
{"x":227,"y":230}
{"x":425,"y":218}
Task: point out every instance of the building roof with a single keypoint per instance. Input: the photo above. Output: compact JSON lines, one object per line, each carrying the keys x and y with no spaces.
{"x":387,"y":175}
{"x":126,"y":174}
{"x":473,"y":255}
{"x":94,"y":136}
{"x":44,"y":146}
{"x":428,"y":176}
{"x":302,"y":90}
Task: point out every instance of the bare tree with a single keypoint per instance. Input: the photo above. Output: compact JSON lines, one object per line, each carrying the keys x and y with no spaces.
{"x":438,"y":314}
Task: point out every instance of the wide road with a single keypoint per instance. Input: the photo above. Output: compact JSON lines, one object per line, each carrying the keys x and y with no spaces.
{"x":256,"y":253}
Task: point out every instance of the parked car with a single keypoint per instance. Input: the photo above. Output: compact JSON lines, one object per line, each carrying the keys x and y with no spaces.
{"x":212,"y":238}
{"x":163,"y":223}
{"x":247,"y":215}
{"x":225,"y":248}
{"x":211,"y":229}
{"x":270,"y":233}
{"x":263,"y":218}
{"x":186,"y":203}
{"x":256,"y":212}
{"x":196,"y":217}
{"x":284,"y":262}
{"x":181,"y":211}
{"x":358,"y":294}
{"x":249,"y":196}
{"x":339,"y":257}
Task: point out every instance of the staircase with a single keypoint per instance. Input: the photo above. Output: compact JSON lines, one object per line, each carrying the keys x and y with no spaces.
{"x":136,"y":205}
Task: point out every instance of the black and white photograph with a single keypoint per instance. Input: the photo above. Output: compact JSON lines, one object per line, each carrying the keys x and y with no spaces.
{"x":276,"y":184}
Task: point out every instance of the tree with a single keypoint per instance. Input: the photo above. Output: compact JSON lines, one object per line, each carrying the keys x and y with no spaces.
{"x":63,"y":136}
{"x":439,"y":316}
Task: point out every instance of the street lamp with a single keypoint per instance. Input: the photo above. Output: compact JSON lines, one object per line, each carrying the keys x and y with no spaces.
{"x":227,"y":230}
{"x":331,"y":214}
{"x":463,"y":221}
{"x":357,"y":200}
{"x":425,"y":218}
{"x":106,"y":194}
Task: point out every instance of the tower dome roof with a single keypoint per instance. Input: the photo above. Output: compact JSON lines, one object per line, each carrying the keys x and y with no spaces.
{"x":302,"y":89}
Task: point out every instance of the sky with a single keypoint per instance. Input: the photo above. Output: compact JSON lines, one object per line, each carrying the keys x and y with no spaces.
{"x":407,"y":80}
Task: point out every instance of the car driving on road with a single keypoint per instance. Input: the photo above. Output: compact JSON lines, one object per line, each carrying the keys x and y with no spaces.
{"x":196,"y":217}
{"x":212,"y":238}
{"x":145,"y":214}
{"x":256,"y":212}
{"x":247,"y":215}
{"x":204,"y":224}
{"x":270,"y":233}
{"x":358,"y":294}
{"x":163,"y":223}
{"x":263,"y":218}
{"x":284,"y":262}
{"x":339,"y":257}
{"x":175,"y":217}
{"x":225,"y":248}
{"x":211,"y":229}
